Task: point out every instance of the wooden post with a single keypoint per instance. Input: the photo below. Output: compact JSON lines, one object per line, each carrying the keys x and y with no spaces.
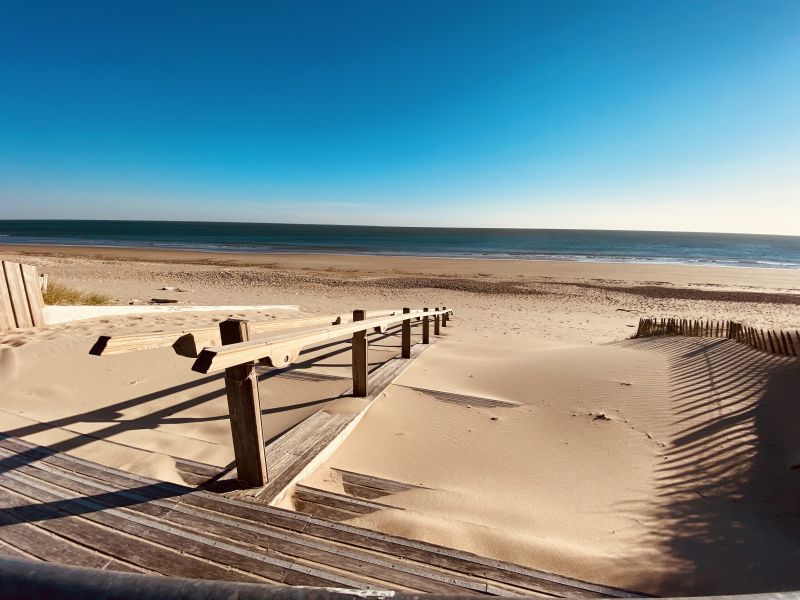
{"x":406,"y":336}
{"x":436,"y":323}
{"x":444,"y":317}
{"x":244,"y":406}
{"x":426,"y":328}
{"x":359,"y":357}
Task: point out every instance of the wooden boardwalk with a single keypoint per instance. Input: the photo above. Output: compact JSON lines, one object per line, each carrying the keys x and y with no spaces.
{"x":55,"y":507}
{"x":298,"y":450}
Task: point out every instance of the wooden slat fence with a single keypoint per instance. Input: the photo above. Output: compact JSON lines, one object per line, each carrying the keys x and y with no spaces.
{"x":21,"y":303}
{"x":786,"y":343}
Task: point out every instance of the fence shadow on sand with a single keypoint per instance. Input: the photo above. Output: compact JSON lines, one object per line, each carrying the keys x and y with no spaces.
{"x":728,"y":509}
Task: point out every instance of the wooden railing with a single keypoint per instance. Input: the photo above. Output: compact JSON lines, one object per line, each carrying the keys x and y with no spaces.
{"x":772,"y":341}
{"x":188,"y":342}
{"x":238,"y":355}
{"x":233,"y":351}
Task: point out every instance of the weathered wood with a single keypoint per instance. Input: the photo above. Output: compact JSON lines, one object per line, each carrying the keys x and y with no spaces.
{"x":7,"y":320}
{"x":354,"y":505}
{"x":33,"y":294}
{"x":426,"y":328}
{"x":437,"y":323}
{"x":371,"y":487}
{"x":191,"y":341}
{"x":405,"y":349}
{"x":360,"y":363}
{"x":276,"y":553}
{"x":280,"y":351}
{"x":244,"y":405}
{"x":83,"y":531}
{"x":16,"y":292}
{"x":37,"y":543}
{"x":445,"y":317}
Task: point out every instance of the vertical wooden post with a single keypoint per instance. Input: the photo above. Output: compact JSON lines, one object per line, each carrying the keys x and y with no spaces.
{"x":444,"y":317}
{"x":405,"y":350}
{"x":436,"y":322}
{"x":426,"y":328}
{"x":359,"y":357}
{"x":244,"y":406}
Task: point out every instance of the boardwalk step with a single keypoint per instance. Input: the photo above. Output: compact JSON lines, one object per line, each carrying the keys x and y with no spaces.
{"x":357,"y":506}
{"x":370,"y":487}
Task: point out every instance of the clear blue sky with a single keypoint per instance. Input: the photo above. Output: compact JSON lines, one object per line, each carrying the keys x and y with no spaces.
{"x":649,"y":115}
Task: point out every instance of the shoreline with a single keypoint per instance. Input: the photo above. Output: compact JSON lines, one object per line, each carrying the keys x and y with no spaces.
{"x":559,"y":258}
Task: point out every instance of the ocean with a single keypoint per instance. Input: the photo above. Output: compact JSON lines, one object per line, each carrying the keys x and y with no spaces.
{"x":742,"y":250}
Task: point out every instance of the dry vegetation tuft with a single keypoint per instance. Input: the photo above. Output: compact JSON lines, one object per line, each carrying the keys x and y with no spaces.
{"x":58,"y":293}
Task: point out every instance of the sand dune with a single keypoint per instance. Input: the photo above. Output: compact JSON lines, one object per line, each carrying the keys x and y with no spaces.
{"x":666,"y":456}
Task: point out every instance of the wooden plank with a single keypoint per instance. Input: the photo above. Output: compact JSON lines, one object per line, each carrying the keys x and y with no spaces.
{"x":437,"y":323}
{"x":37,"y":543}
{"x":458,"y":561}
{"x":7,"y":320}
{"x":7,"y":551}
{"x":247,"y":565}
{"x":16,"y":291}
{"x":426,"y":328}
{"x":296,"y":466}
{"x":152,"y":488}
{"x":33,"y":294}
{"x":202,"y":469}
{"x":129,"y":549}
{"x":360,"y":361}
{"x":355,"y":505}
{"x":244,"y":405}
{"x":387,"y":486}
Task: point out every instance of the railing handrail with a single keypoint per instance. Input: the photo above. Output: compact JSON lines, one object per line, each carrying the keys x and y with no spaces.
{"x":207,"y":336}
{"x":284,"y":350}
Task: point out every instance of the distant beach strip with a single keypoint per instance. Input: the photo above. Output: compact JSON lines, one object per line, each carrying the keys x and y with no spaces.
{"x":719,"y":249}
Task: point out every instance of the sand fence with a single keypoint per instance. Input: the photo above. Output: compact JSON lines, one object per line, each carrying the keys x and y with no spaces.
{"x":785,"y":343}
{"x":21,"y":304}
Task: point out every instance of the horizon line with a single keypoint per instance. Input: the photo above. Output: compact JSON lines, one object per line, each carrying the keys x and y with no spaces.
{"x":791,"y":235}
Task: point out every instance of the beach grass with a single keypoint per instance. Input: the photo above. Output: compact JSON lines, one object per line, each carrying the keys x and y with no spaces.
{"x":60,"y":294}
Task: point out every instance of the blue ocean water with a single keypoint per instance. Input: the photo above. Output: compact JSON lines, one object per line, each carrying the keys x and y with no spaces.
{"x":542,"y":244}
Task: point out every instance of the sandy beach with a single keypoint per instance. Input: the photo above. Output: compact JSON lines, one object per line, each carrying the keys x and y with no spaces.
{"x":667,"y":466}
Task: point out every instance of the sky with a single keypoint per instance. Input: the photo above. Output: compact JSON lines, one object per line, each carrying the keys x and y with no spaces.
{"x":652,"y":115}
